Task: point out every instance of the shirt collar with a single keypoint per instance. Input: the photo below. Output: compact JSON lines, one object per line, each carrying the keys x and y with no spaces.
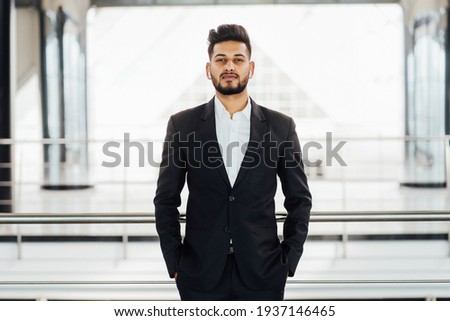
{"x":221,"y":111}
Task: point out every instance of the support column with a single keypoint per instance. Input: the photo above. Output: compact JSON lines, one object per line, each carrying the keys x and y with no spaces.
{"x":427,"y":87}
{"x":6,"y":193}
{"x":64,"y":99}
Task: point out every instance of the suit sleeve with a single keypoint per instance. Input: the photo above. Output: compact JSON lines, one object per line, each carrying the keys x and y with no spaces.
{"x":298,"y":198}
{"x":172,"y":174}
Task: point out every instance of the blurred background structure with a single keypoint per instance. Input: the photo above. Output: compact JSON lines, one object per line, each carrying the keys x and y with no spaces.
{"x":87,"y":87}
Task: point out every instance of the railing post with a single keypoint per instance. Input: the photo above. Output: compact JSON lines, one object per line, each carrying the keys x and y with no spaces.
{"x":125,"y":247}
{"x":448,"y":241}
{"x":124,"y":209}
{"x":19,"y":244}
{"x":344,"y":242}
{"x":447,"y":162}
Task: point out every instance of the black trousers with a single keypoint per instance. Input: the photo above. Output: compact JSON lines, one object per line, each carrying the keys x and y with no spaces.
{"x":231,"y":288}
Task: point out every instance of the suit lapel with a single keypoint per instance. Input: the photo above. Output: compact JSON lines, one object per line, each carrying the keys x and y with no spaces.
{"x":258,"y":128}
{"x":207,"y":128}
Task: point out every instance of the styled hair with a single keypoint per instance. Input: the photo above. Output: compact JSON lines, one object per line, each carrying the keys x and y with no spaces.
{"x":228,"y":32}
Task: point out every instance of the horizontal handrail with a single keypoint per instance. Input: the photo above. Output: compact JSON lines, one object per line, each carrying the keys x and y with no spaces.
{"x":10,"y":141}
{"x":68,"y":283}
{"x":149,"y":218}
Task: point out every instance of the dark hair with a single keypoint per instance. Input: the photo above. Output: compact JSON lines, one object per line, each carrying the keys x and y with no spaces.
{"x":228,"y":32}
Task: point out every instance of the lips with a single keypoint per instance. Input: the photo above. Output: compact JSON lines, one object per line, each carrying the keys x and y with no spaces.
{"x":229,"y":76}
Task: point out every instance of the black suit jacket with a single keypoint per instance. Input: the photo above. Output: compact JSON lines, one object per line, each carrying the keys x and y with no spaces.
{"x":245,"y":212}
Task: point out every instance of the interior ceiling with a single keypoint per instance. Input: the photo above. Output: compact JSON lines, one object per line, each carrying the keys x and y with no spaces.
{"x":117,"y":3}
{"x":228,"y":2}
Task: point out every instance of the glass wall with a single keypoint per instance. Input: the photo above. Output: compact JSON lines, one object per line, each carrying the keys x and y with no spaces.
{"x":425,"y":159}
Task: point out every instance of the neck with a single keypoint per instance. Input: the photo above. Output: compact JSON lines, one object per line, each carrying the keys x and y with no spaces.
{"x":233,"y":103}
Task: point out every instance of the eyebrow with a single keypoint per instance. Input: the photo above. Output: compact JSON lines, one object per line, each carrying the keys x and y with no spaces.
{"x":223,"y":55}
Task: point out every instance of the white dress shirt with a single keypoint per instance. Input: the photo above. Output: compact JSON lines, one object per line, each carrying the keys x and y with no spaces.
{"x":233,"y":136}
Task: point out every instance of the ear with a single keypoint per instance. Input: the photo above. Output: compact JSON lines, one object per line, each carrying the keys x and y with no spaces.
{"x":208,"y":70}
{"x":252,"y":69}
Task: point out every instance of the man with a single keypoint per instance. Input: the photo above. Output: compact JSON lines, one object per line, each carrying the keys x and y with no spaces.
{"x":231,"y":151}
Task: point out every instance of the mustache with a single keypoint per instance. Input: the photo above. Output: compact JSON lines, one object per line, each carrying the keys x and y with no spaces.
{"x":229,"y":74}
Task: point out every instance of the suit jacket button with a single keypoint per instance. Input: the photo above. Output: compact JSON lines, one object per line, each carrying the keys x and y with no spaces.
{"x":231,"y":198}
{"x":227,"y":229}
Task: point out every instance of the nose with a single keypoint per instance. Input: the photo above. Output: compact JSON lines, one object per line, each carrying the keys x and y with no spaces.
{"x":229,"y":66}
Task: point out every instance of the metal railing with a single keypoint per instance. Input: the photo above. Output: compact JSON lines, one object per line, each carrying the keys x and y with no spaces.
{"x":331,"y":282}
{"x":373,"y":169}
{"x":296,"y":289}
{"x":149,"y":218}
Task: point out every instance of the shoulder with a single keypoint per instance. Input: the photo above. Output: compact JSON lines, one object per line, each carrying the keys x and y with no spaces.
{"x":279,"y":123}
{"x":188,"y":119}
{"x":275,"y":116}
{"x":189,"y":114}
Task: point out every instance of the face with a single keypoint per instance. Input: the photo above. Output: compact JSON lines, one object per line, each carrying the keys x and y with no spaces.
{"x":230,"y":67}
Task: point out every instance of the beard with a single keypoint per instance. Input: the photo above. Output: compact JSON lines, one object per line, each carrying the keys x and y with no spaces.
{"x":229,"y":90}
